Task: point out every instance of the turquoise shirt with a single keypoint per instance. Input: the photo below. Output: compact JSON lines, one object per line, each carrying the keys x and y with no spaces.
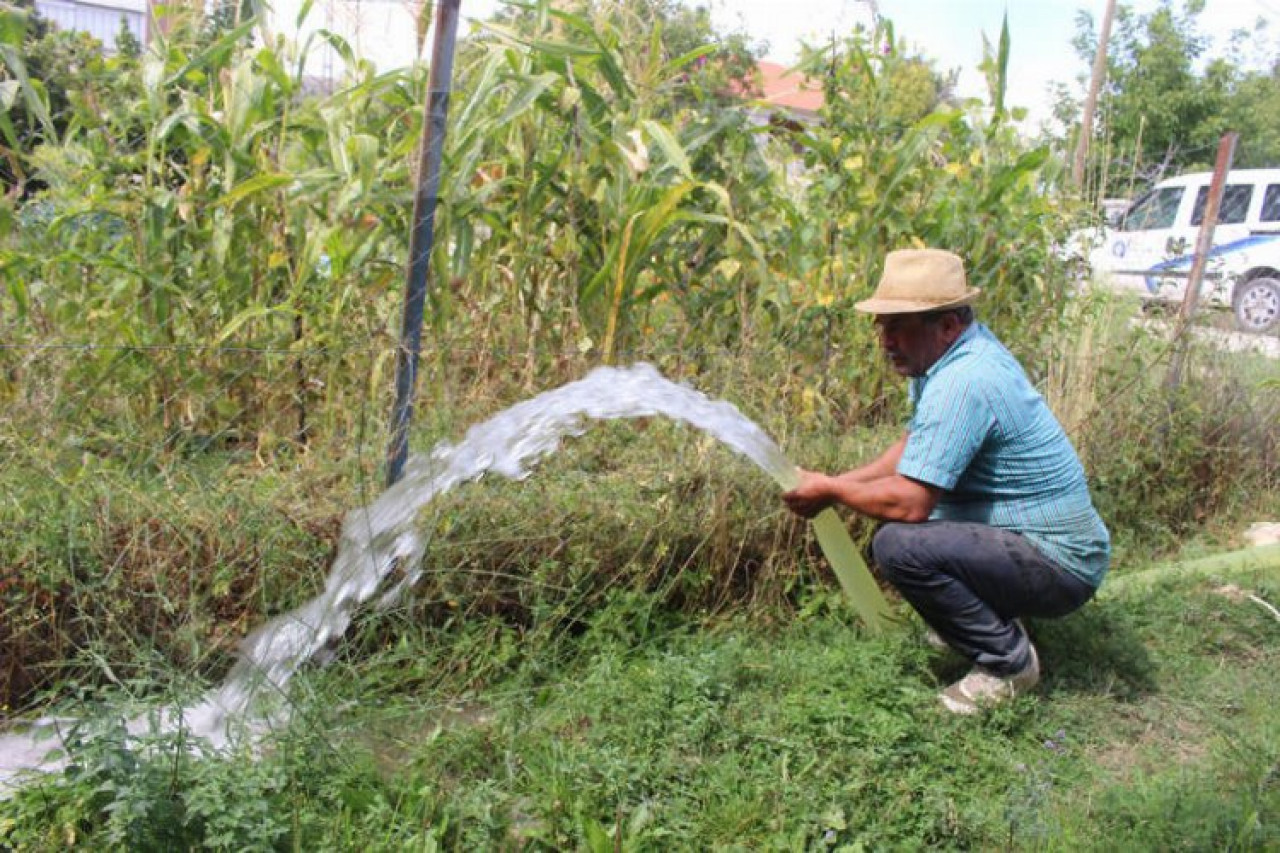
{"x":984,"y":435}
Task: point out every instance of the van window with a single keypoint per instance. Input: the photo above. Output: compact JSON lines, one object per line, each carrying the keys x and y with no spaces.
{"x":1156,"y":209}
{"x":1235,"y":204}
{"x":1271,"y":204}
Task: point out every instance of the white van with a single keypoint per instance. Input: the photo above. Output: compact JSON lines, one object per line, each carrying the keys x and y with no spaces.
{"x":1152,"y":246}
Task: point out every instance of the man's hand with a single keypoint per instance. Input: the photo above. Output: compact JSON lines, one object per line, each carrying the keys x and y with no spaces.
{"x":812,"y":496}
{"x":886,"y":497}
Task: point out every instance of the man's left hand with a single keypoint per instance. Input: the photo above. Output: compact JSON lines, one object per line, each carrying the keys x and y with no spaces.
{"x":811,"y":497}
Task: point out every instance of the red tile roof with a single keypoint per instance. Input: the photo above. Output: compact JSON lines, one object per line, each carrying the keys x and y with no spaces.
{"x":782,"y":88}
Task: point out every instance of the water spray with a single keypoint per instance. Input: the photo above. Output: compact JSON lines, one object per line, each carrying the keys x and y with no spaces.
{"x":382,"y":541}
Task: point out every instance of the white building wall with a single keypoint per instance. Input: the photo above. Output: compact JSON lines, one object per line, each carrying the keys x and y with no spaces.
{"x":100,"y":19}
{"x":381,"y":31}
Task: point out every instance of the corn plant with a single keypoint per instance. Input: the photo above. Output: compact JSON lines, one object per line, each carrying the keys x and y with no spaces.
{"x":245,"y":239}
{"x":574,"y":194}
{"x":217,"y":210}
{"x":892,"y":164}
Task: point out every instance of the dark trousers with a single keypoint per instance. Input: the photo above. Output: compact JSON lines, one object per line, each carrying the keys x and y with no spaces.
{"x":969,"y":581}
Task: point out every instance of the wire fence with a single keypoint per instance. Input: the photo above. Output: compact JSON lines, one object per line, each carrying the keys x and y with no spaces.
{"x":146,"y":401}
{"x":148,"y":405}
{"x":161,"y":500}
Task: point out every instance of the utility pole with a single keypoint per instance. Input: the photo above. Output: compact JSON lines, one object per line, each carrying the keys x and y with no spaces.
{"x":426,"y":198}
{"x":1204,"y":243}
{"x":1091,"y":101}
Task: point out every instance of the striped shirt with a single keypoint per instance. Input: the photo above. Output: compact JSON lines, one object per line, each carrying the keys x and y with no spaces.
{"x":984,"y":435}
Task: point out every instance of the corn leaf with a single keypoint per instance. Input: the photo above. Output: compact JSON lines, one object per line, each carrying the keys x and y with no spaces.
{"x":671,"y":149}
{"x":253,"y":186}
{"x":530,"y":89}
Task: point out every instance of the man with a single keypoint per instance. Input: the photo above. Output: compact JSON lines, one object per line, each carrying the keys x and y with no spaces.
{"x":988,"y":516}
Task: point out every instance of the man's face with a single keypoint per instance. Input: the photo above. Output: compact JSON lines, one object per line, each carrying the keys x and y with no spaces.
{"x":913,"y":342}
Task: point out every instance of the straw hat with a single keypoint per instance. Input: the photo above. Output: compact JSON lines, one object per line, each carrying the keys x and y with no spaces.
{"x":917,"y":280}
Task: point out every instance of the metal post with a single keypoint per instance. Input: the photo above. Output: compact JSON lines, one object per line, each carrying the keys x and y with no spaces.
{"x":1204,"y":243}
{"x":426,"y":198}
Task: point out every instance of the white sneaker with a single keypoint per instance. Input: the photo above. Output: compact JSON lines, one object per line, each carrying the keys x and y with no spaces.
{"x":981,"y":689}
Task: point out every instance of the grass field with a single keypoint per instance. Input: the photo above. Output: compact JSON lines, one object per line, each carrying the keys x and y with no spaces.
{"x":1154,"y":728}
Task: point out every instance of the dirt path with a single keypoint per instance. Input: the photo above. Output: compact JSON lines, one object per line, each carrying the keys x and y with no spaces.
{"x":1228,"y":341}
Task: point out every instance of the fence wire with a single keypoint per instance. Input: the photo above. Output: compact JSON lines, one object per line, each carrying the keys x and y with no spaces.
{"x":145,"y":401}
{"x":160,"y":500}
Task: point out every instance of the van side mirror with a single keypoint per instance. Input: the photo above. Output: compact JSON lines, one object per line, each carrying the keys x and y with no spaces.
{"x":1113,"y":211}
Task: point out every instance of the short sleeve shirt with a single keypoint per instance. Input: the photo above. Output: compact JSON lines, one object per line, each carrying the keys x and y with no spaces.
{"x":983,"y":434}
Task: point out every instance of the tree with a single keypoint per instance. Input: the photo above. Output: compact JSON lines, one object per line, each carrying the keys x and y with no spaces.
{"x":1252,"y":108}
{"x":64,"y":80}
{"x":1157,"y":108}
{"x":1164,"y":108}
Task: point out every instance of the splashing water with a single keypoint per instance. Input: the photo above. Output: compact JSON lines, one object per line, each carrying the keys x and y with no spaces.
{"x":382,"y":539}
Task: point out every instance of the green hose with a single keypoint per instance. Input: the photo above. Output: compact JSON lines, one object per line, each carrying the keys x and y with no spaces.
{"x":855,"y":578}
{"x":851,"y":570}
{"x":1264,"y":559}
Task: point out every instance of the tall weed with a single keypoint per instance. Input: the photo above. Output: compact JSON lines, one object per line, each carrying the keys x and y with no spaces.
{"x":1164,"y":462}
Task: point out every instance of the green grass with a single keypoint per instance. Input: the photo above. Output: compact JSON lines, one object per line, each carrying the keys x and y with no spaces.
{"x":1154,"y":729}
{"x":119,"y":571}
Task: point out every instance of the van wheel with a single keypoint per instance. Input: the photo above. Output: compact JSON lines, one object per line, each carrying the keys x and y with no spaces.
{"x":1257,"y":304}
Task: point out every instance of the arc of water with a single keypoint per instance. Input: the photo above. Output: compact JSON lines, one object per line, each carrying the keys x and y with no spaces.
{"x":383,"y":537}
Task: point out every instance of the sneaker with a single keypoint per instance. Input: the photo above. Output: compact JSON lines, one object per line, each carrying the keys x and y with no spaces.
{"x":982,"y":689}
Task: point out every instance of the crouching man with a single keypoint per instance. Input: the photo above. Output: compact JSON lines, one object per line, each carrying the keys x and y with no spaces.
{"x":987,"y":513}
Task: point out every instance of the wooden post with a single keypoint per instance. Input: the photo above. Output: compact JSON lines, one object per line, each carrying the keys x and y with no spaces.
{"x":1091,"y":101}
{"x":1204,"y":244}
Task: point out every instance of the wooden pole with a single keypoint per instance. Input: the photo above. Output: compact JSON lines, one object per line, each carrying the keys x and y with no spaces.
{"x":1204,"y":244}
{"x":1091,"y":101}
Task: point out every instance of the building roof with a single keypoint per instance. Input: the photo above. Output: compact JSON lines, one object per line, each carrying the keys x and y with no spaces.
{"x":780,"y":87}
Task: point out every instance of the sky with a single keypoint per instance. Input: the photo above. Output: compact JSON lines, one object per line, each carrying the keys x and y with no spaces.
{"x":950,"y":32}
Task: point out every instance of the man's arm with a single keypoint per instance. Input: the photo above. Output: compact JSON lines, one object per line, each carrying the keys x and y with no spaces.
{"x":882,"y":466}
{"x":876,"y":490}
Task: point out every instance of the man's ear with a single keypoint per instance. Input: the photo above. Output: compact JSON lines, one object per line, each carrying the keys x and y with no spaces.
{"x":951,"y":327}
